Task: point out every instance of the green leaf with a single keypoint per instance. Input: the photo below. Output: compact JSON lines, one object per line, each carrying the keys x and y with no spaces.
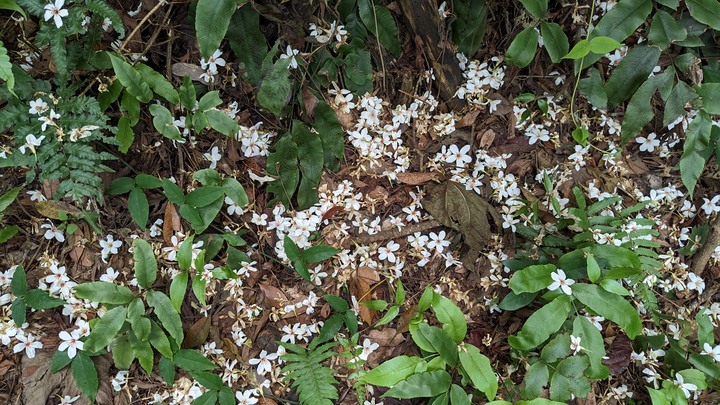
{"x":208,"y":380}
{"x":220,"y":122}
{"x":579,"y":50}
{"x":478,"y":368}
{"x":145,"y":263}
{"x":705,"y":11}
{"x":143,"y":352}
{"x":593,"y":269}
{"x":400,"y":293}
{"x":554,"y":40}
{"x":7,"y":198}
{"x":468,"y":28}
{"x":60,"y":360}
{"x":536,"y":378}
{"x":426,"y":299}
{"x":208,"y":398}
{"x":192,"y":360}
{"x":291,"y":249}
{"x":697,"y":139}
{"x":380,"y":23}
{"x":283,"y":162}
{"x":705,"y":329}
{"x":458,"y":396}
{"x":310,"y":157}
{"x":665,"y":30}
{"x":18,"y":310}
{"x":121,"y":185}
{"x":131,"y":79}
{"x":336,"y":303}
{"x":164,"y":122}
{"x":167,"y":370}
{"x":158,"y":83}
{"x":212,"y":18}
{"x":18,"y":285}
{"x":184,"y":253}
{"x":603,"y":45}
{"x":556,"y":348}
{"x":173,"y":192}
{"x":13,"y":6}
{"x":235,"y":191}
{"x":159,"y":340}
{"x":639,"y":110}
{"x":247,"y":42}
{"x":7,"y":232}
{"x":680,"y":96}
{"x":451,"y":316}
{"x":146,"y":181}
{"x":542,"y":323}
{"x":40,"y":299}
{"x":532,"y":278}
{"x":106,"y":329}
{"x":592,"y":88}
{"x":331,"y":134}
{"x":568,"y":380}
{"x":318,"y":253}
{"x":204,"y":196}
{"x":522,"y":49}
{"x":591,"y":339}
{"x":631,"y":73}
{"x":122,"y":353}
{"x":139,"y":207}
{"x":440,"y":342}
{"x":199,"y":288}
{"x":103,"y":292}
{"x":139,"y":323}
{"x":187,"y":94}
{"x":614,"y":287}
{"x":421,"y":385}
{"x":513,"y":302}
{"x":709,"y":93}
{"x":392,"y":371}
{"x":610,"y":306}
{"x":166,"y":314}
{"x":275,"y":89}
{"x":209,"y":100}
{"x":538,"y":8}
{"x":391,"y":314}
{"x":85,"y":375}
{"x":125,"y":135}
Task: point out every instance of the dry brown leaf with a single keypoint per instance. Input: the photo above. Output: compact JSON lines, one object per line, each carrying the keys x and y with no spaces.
{"x":181,"y":69}
{"x":273,"y":295}
{"x":360,"y":286}
{"x":618,"y":354}
{"x":54,"y":209}
{"x":197,"y":333}
{"x":309,"y":102}
{"x":37,"y":380}
{"x":468,"y":119}
{"x":171,"y":223}
{"x":417,"y":178}
{"x":487,"y":138}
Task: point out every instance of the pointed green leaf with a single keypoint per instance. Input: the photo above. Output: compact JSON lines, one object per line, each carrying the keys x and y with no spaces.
{"x":167,"y":315}
{"x":131,"y":79}
{"x":392,"y":371}
{"x":85,"y":375}
{"x":139,"y":207}
{"x":103,"y":292}
{"x":609,"y":306}
{"x":421,"y":385}
{"x":542,"y":323}
{"x":522,"y":49}
{"x":478,"y":368}
{"x":145,"y":263}
{"x":106,"y":329}
{"x":554,"y":40}
{"x":212,"y":18}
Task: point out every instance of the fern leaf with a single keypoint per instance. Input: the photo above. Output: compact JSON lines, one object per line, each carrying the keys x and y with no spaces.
{"x":315,"y":383}
{"x":6,"y":68}
{"x":101,"y":8}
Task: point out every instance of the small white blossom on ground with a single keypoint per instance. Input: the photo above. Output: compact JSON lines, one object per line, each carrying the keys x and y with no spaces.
{"x":291,"y":54}
{"x":368,"y":348}
{"x":67,"y":399}
{"x":247,"y":397}
{"x":109,"y":246}
{"x":263,"y":362}
{"x":36,"y":195}
{"x":685,"y":387}
{"x":27,"y":342}
{"x":561,"y":281}
{"x":213,"y":156}
{"x":119,"y":381}
{"x":31,"y":141}
{"x":70,"y":342}
{"x":53,"y":233}
{"x":648,"y":144}
{"x":713,"y":352}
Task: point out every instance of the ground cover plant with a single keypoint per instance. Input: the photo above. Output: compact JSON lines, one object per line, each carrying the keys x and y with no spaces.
{"x":358,"y":201}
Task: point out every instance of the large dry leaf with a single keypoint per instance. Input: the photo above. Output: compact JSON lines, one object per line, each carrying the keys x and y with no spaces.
{"x":416,"y":178}
{"x":171,"y":223}
{"x":54,"y":209}
{"x":361,"y":286}
{"x":273,"y":295}
{"x":197,"y":334}
{"x":466,"y":212}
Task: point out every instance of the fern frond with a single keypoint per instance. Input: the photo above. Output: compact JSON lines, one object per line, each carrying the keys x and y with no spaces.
{"x":33,"y":7}
{"x":315,"y":383}
{"x":101,"y":8}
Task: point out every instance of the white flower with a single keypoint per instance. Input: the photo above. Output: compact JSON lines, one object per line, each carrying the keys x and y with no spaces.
{"x":233,"y":209}
{"x":575,"y":344}
{"x":685,"y":387}
{"x":213,"y":62}
{"x":713,"y":352}
{"x":458,"y":156}
{"x":213,"y":156}
{"x":71,"y":342}
{"x":367,"y":348}
{"x":290,"y":53}
{"x":28,"y":343}
{"x":437,"y":241}
{"x":560,"y":280}
{"x":49,"y":119}
{"x":710,"y":206}
{"x":56,"y":12}
{"x":119,"y":380}
{"x":110,"y":275}
{"x":36,"y":195}
{"x":31,"y":141}
{"x":387,"y":252}
{"x":109,"y":246}
{"x":67,"y":399}
{"x":648,"y":144}
{"x":263,"y":362}
{"x":53,"y":232}
{"x":246,"y":397}
{"x":38,"y":106}
{"x":695,"y":283}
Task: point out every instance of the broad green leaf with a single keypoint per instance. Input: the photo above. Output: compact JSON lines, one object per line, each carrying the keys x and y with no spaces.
{"x":184,"y":254}
{"x":131,"y":79}
{"x":556,"y":348}
{"x":192,"y":360}
{"x":208,"y":398}
{"x":695,"y":377}
{"x":680,"y":96}
{"x":212,"y":18}
{"x":18,"y":285}
{"x":187,"y":94}
{"x":275,"y":88}
{"x":204,"y":196}
{"x":664,"y":30}
{"x":468,"y":28}
{"x":139,"y":207}
{"x":331,"y":134}
{"x":7,"y":232}
{"x":18,"y":309}
{"x":441,"y":343}
{"x":103,"y":292}
{"x":60,"y":360}
{"x":167,"y":370}
{"x":291,"y":249}
{"x":131,"y":106}
{"x":710,"y":95}
{"x":697,"y":139}
{"x":208,"y":380}
{"x":7,"y":198}
{"x":143,"y":352}
{"x":458,"y":396}
{"x":146,"y":181}
{"x":639,"y":110}
{"x":554,"y":40}
{"x":139,"y":323}
{"x":381,"y":24}
{"x":166,"y":314}
{"x":85,"y":375}
{"x":631,"y":73}
{"x":106,"y":329}
{"x":478,"y":368}
{"x":122,"y":353}
{"x":536,"y":378}
{"x":532,"y":278}
{"x":579,"y":50}
{"x":706,"y":364}
{"x":391,"y":314}
{"x":400,"y":293}
{"x":593,"y":269}
{"x":318,"y":253}
{"x":426,"y":299}
{"x":247,"y":42}
{"x":338,"y":304}
{"x":159,"y":340}
{"x":658,"y":397}
{"x":522,"y":49}
{"x":609,"y":306}
{"x":283,"y":162}
{"x":235,"y":191}
{"x":705,"y":329}
{"x":603,"y":45}
{"x":310,"y":159}
{"x":420,"y":339}
{"x":121,"y":185}
{"x":614,"y":287}
{"x":538,"y":8}
{"x":421,"y":385}
{"x":705,"y":11}
{"x":125,"y":134}
{"x":164,"y":122}
{"x":158,"y":83}
{"x":451,"y":316}
{"x":40,"y":299}
{"x":208,"y":177}
{"x":568,"y":380}
{"x":513,"y":302}
{"x":173,"y":193}
{"x":145,"y":263}
{"x":392,"y":371}
{"x":591,"y":339}
{"x":542,"y":323}
{"x":209,"y":100}
{"x":198,"y":287}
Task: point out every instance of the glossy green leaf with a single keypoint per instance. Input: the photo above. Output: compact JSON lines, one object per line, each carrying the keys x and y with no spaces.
{"x":139,"y":323}
{"x":536,"y":378}
{"x":160,"y":341}
{"x":421,"y":385}
{"x":208,"y":398}
{"x":139,"y":207}
{"x":18,"y":310}
{"x":106,"y":293}
{"x":131,"y":79}
{"x":697,"y":138}
{"x":235,"y":191}
{"x":478,"y":368}
{"x":664,"y":30}
{"x":522,"y":49}
{"x":220,"y":122}
{"x":441,"y":343}
{"x":381,"y":24}
{"x":603,"y":45}
{"x":318,"y":253}
{"x":192,"y":360}
{"x":105,"y":329}
{"x":166,"y":314}
{"x":538,"y":8}
{"x":158,"y":83}
{"x":145,"y":263}
{"x":392,"y":371}
{"x":204,"y":196}
{"x":184,"y":254}
{"x":532,"y":278}
{"x":331,"y":134}
{"x":631,"y":73}
{"x":639,"y":110}
{"x":310,"y":160}
{"x":199,"y":288}
{"x":609,"y":306}
{"x":579,"y":50}
{"x":85,"y":375}
{"x":451,"y":316}
{"x":248,"y":42}
{"x":592,"y":341}
{"x":60,"y":360}
{"x":469,"y":26}
{"x":705,"y":11}
{"x":542,"y":323}
{"x":40,"y":299}
{"x":143,"y":352}
{"x":458,"y":396}
{"x":212,"y":18}
{"x":680,"y":96}
{"x":164,"y":122}
{"x":167,"y":370}
{"x":554,"y":40}
{"x":593,"y":269}
{"x":122,"y":353}
{"x":389,"y":316}
{"x":592,"y":88}
{"x":275,"y":88}
{"x":18,"y":284}
{"x":426,"y":299}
